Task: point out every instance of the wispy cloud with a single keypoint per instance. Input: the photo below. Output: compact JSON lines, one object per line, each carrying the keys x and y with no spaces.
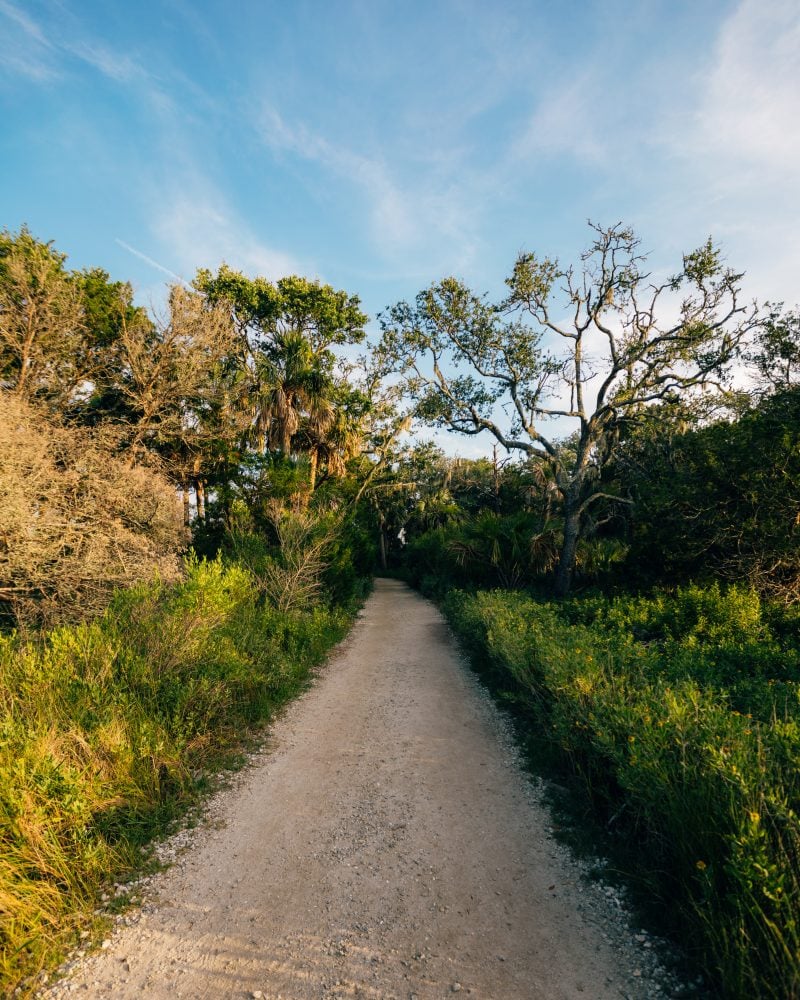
{"x":25,"y":22}
{"x":713,"y":150}
{"x":25,"y":51}
{"x":119,"y":67}
{"x":739,"y":146}
{"x":566,"y":121}
{"x":199,"y":229}
{"x":30,"y":51}
{"x":192,"y":222}
{"x":750,"y":106}
{"x":403,"y":219}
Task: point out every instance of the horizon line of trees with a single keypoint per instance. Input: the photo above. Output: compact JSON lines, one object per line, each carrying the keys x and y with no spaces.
{"x":239,"y":399}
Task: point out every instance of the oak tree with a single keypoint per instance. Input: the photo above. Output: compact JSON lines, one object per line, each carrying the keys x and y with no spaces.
{"x":578,"y":349}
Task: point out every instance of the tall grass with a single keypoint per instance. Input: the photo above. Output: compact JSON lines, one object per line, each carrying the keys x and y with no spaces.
{"x":680,"y":717}
{"x":107,"y":727}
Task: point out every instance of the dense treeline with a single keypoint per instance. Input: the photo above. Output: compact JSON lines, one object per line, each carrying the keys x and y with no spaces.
{"x":192,"y":504}
{"x":234,"y":398}
{"x":705,"y":501}
{"x":720,"y":500}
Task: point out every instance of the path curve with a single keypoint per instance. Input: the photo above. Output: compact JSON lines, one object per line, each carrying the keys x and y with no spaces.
{"x":385,"y":845}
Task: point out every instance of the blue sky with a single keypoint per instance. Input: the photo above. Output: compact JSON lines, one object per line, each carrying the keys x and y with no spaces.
{"x":380,"y":146}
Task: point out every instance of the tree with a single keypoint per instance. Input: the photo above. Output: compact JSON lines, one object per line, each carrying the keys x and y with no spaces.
{"x":298,"y":401}
{"x":286,"y":330}
{"x":77,"y":522}
{"x":167,"y":389}
{"x":293,"y":385}
{"x":775,"y":354}
{"x":42,"y":323}
{"x":719,"y":500}
{"x":592,"y":346}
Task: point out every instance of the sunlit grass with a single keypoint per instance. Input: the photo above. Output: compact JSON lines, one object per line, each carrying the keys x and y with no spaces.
{"x":106,"y":729}
{"x":681,"y":717}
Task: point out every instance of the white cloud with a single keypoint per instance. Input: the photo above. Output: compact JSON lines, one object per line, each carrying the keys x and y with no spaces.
{"x":27,"y":50}
{"x":565,"y":121}
{"x":199,"y":230}
{"x":749,"y":112}
{"x":736,"y":151}
{"x":149,"y":260}
{"x":23,"y":21}
{"x":392,"y":214}
{"x":24,"y":49}
{"x":404,"y":220}
{"x":191,"y":220}
{"x":119,"y":67}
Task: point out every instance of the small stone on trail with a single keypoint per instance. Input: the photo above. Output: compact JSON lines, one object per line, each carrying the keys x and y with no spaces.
{"x":456,"y":987}
{"x":257,"y":995}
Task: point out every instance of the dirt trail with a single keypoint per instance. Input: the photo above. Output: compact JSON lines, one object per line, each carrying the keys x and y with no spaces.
{"x":385,"y":846}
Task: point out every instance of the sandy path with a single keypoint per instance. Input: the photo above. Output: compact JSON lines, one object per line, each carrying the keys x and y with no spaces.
{"x":386,"y":846}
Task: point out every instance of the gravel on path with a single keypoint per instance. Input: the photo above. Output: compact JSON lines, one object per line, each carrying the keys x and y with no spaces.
{"x":385,"y":844}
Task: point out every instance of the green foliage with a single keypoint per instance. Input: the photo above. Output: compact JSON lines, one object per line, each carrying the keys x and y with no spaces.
{"x":775,"y":355}
{"x":489,"y":549}
{"x":514,"y":368}
{"x":108,"y":726}
{"x":681,"y":718}
{"x":720,"y":500}
{"x":485,"y":551}
{"x":42,"y":326}
{"x":297,"y":402}
{"x":320,"y":313}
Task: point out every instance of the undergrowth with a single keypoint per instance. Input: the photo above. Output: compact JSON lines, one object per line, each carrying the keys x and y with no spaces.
{"x":679,"y":716}
{"x":106,"y":731}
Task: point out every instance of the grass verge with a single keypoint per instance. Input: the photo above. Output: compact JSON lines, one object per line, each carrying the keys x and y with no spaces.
{"x":678,"y":717}
{"x":106,"y":732}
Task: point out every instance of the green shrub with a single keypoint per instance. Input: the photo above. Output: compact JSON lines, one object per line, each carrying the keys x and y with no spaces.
{"x":106,"y":728}
{"x":680,"y":717}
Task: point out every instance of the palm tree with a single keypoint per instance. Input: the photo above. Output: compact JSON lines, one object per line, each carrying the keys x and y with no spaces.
{"x":291,"y":386}
{"x":334,"y":444}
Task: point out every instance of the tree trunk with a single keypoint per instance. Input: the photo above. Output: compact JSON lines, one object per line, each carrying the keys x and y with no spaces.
{"x":187,"y":511}
{"x":200,"y":494}
{"x":569,"y":547}
{"x":313,"y":461}
{"x":382,"y":539}
{"x":199,"y":489}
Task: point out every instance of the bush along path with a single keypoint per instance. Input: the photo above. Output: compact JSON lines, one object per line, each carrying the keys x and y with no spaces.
{"x":386,"y":846}
{"x":678,"y":716}
{"x":108,"y":729}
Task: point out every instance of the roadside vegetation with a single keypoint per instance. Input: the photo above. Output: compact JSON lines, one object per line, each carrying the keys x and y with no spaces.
{"x":110,"y":728}
{"x":193,"y":504}
{"x":675,"y":718}
{"x":179,"y":548}
{"x":630,"y":589}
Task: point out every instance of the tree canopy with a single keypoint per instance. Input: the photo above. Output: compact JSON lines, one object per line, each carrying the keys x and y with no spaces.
{"x":592,"y":346}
